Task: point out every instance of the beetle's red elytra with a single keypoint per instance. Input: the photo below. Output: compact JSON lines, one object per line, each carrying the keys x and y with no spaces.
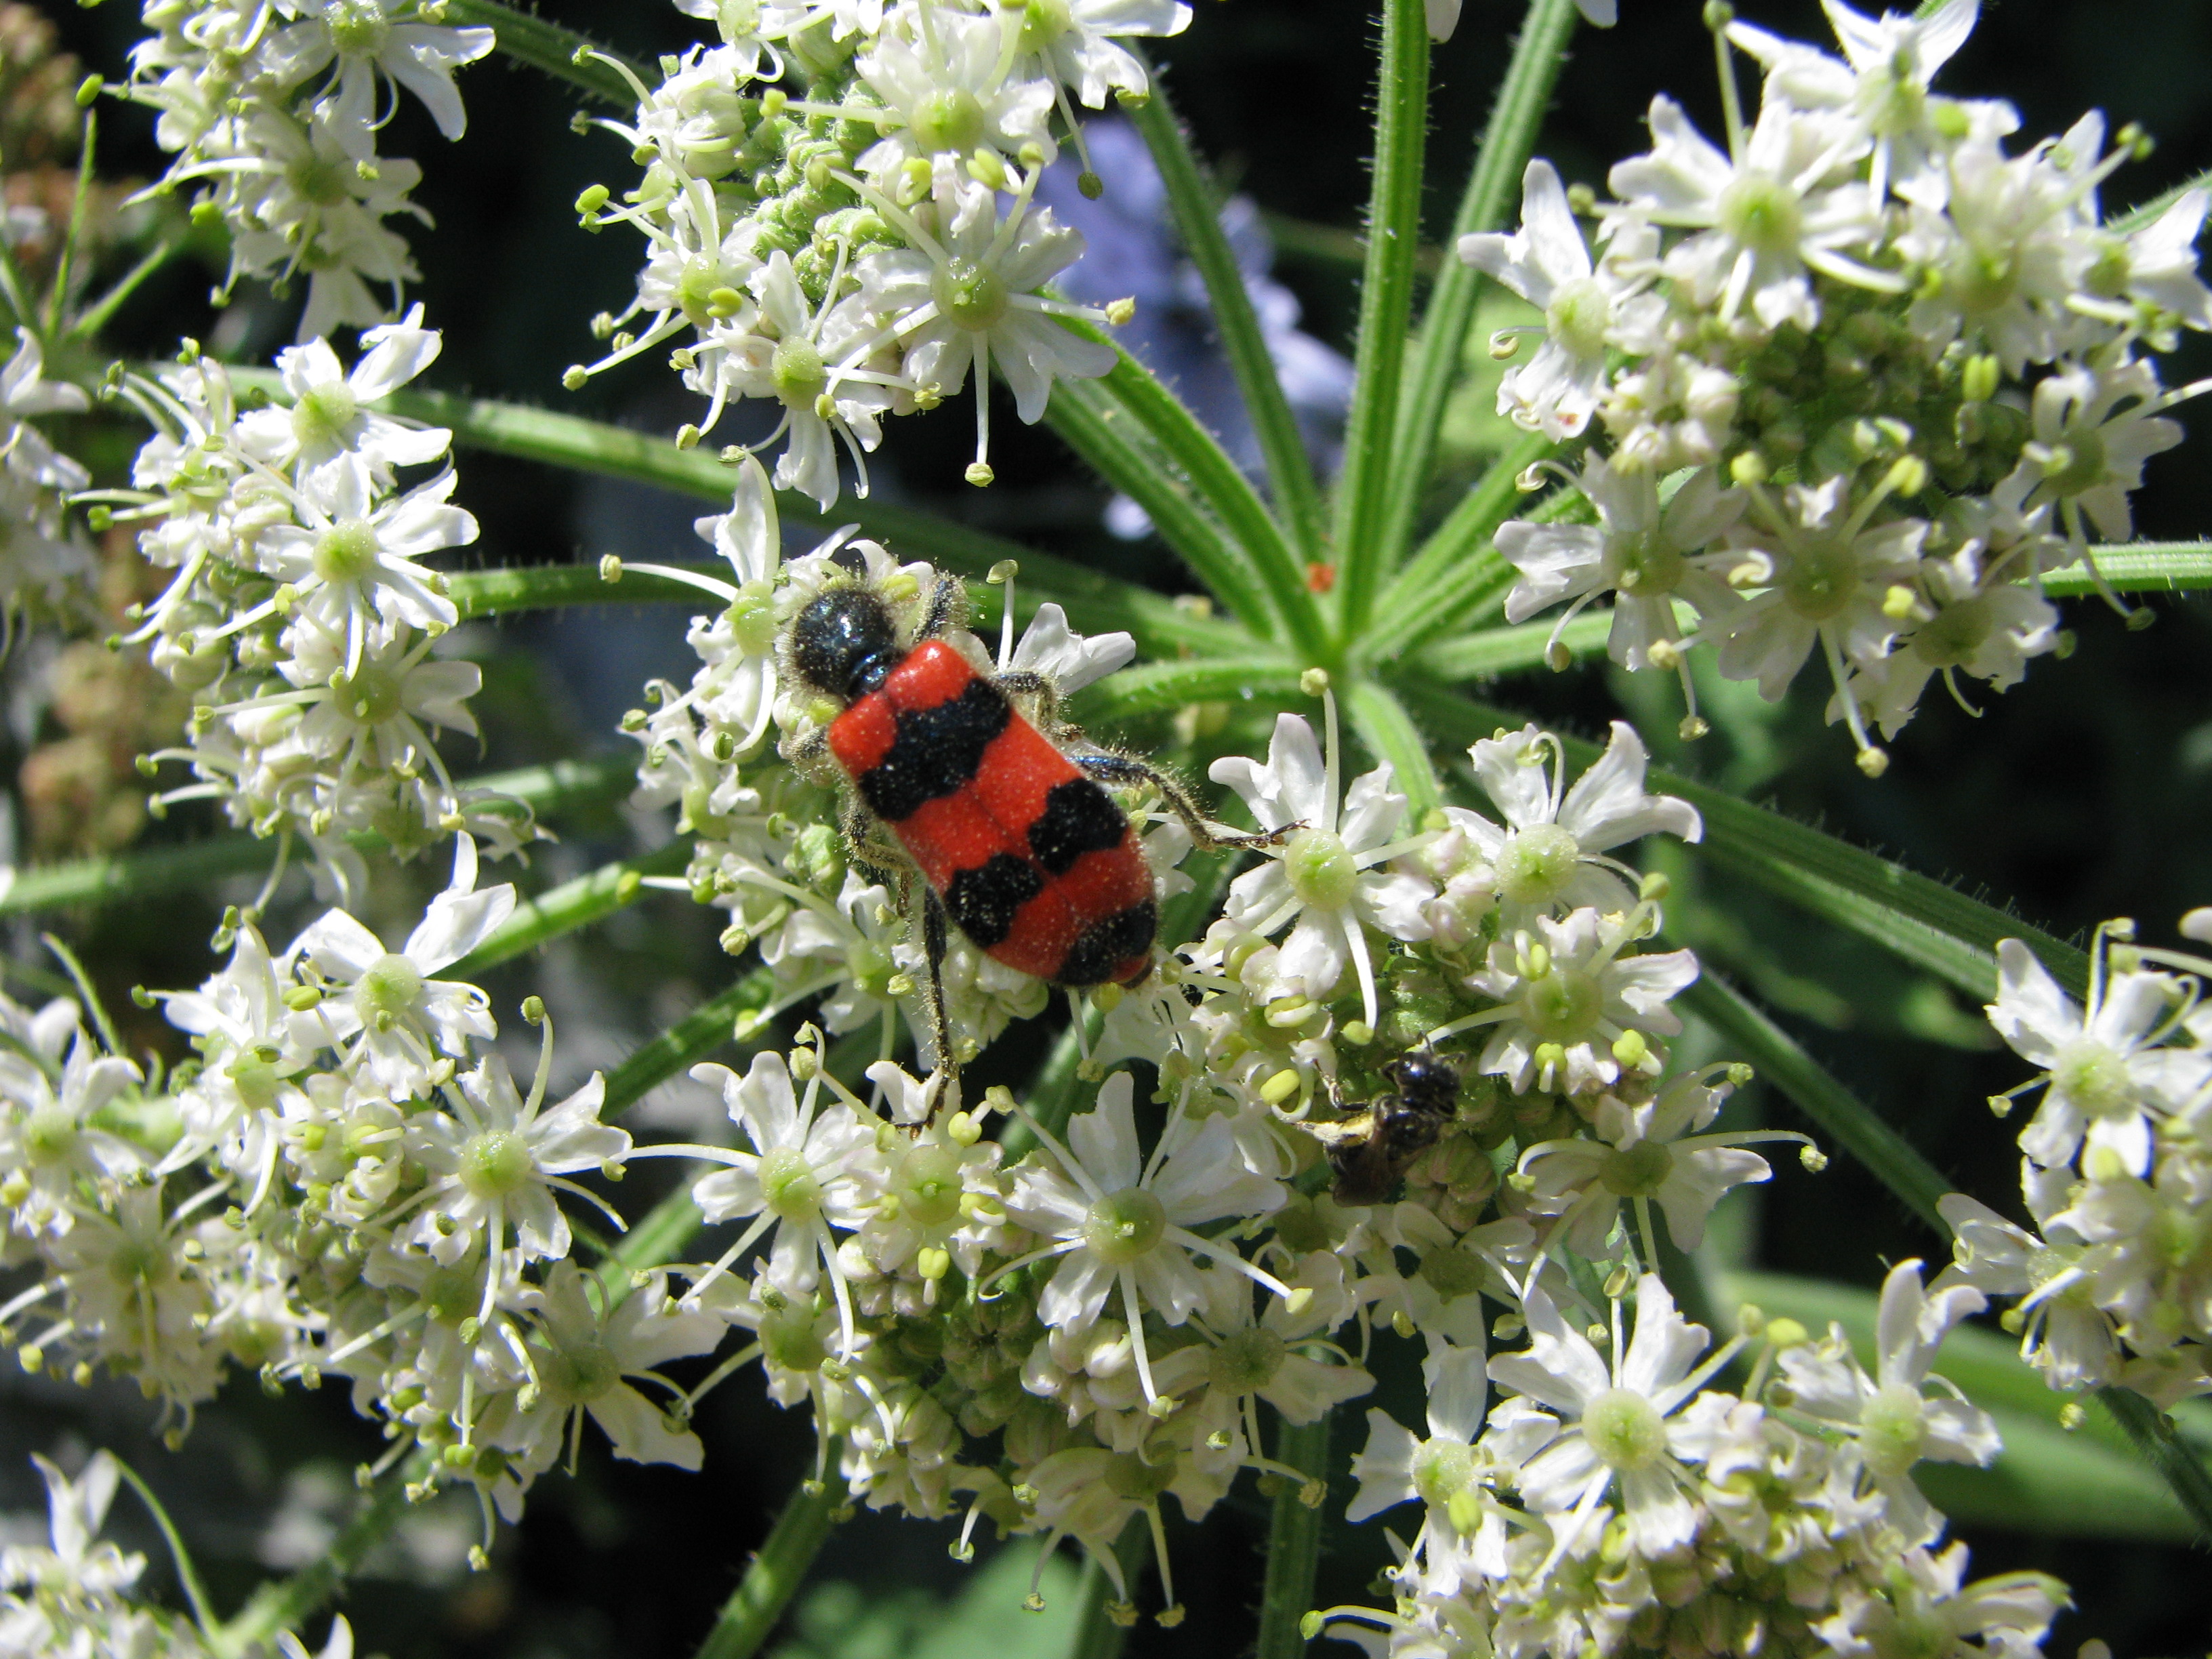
{"x":1033,"y":860}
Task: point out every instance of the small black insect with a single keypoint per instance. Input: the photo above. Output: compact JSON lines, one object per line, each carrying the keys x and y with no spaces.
{"x":1369,"y":1150}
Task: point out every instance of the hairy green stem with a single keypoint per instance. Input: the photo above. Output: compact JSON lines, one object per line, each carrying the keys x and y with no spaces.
{"x":578,"y":903}
{"x":1492,"y":190}
{"x":188,"y":1573}
{"x":750,"y":1616}
{"x":2152,"y":1433}
{"x":549,"y":791}
{"x":1495,"y":652}
{"x":1156,"y":687}
{"x":1386,"y":305}
{"x":1293,"y":1543}
{"x":1197,"y":206}
{"x":529,"y":38}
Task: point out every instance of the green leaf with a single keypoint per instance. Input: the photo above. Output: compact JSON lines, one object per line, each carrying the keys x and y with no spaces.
{"x":1386,"y":305}
{"x":1493,"y":190}
{"x":1196,"y":204}
{"x":1496,"y":651}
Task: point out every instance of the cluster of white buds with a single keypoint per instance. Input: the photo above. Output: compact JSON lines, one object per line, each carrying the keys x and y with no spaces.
{"x":39,"y":549}
{"x":1852,"y":386}
{"x":298,"y":618}
{"x":2115,"y":1282}
{"x":1611,"y":1503}
{"x":274,"y":111}
{"x":838,"y":202}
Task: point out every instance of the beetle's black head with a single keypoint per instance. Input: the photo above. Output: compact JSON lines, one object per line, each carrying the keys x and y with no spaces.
{"x":844,"y":643}
{"x":1426,"y":1082}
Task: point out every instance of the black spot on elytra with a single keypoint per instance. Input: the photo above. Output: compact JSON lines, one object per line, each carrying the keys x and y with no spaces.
{"x":844,"y":643}
{"x":936,"y":752}
{"x":983,"y":900}
{"x":1103,"y":946}
{"x":1078,"y":818}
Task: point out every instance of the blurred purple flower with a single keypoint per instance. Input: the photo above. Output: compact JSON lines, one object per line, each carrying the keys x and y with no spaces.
{"x":1135,"y":250}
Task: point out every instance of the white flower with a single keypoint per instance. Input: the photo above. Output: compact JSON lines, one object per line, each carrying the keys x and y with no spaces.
{"x":2106,"y":1076}
{"x":2087,"y":452}
{"x":801,"y":1177}
{"x":1547,"y":264}
{"x":1122,"y":1223}
{"x":337,"y":1642}
{"x":1048,"y":648}
{"x":1785,"y":205}
{"x":51,"y":1138}
{"x":948,"y":84}
{"x":328,"y":429}
{"x":1614,"y":1423}
{"x":1884,"y":84}
{"x":1920,"y":1601}
{"x":2062,"y":1332}
{"x":368,"y":48}
{"x":1071,"y":42}
{"x":1548,"y":855}
{"x":495,"y":1165}
{"x":584,"y":1348}
{"x":1638,"y":551}
{"x":1326,"y":876}
{"x":1644,"y":1153}
{"x":1575,"y":1009}
{"x":352,"y":563}
{"x":966,"y":293}
{"x":1893,"y":1424}
{"x":404,"y":1017}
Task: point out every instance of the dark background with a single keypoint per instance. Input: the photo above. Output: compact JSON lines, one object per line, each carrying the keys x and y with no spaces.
{"x":2080,"y":795}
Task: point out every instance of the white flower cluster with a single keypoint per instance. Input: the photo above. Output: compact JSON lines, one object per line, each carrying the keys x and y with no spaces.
{"x":838,"y":201}
{"x":1852,"y":386}
{"x":72,"y":1598}
{"x":2115,"y":1282}
{"x":39,"y":551}
{"x":298,"y":617}
{"x":274,"y":111}
{"x":1612,"y":1504}
{"x":344,"y":1181}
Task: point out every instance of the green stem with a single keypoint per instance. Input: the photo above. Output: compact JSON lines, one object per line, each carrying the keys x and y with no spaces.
{"x":542,"y":586}
{"x":2138,"y":568}
{"x":96,"y":316}
{"x":1197,"y":206}
{"x":1457,"y":574}
{"x":1492,"y":190}
{"x":283,"y":1604}
{"x":1853,"y":1125}
{"x":73,"y":238}
{"x":1386,"y":305}
{"x":750,"y":1616}
{"x":662,"y":1238}
{"x":1293,"y":1544}
{"x":695,"y":1037}
{"x":1389,"y":734}
{"x":548,"y":46}
{"x":549,"y":791}
{"x":578,"y":903}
